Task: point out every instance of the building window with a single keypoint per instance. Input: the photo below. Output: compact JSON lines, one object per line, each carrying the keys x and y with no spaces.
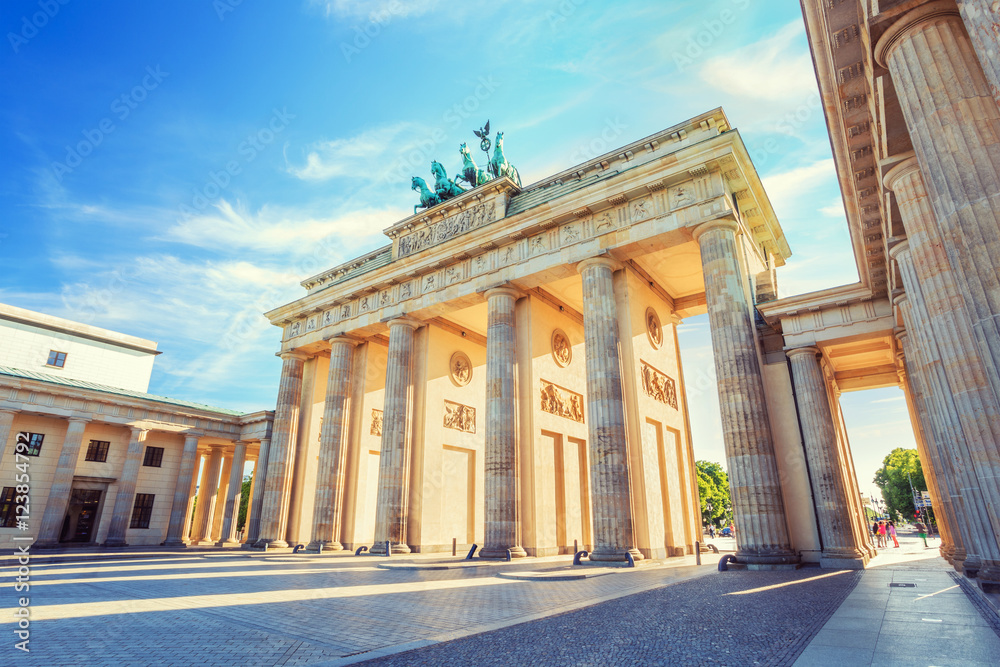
{"x":142,"y":510}
{"x":98,"y":451}
{"x":154,"y":457}
{"x":29,"y":444}
{"x":8,"y":511}
{"x":57,"y":359}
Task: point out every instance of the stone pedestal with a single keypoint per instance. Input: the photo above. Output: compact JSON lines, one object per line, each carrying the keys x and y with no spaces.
{"x":954,"y":124}
{"x":276,"y":487}
{"x":234,"y":493}
{"x":257,"y":494}
{"x":611,"y":493}
{"x":124,"y":500}
{"x":502,"y":479}
{"x":329,"y":505}
{"x":758,"y":508}
{"x":394,"y":463}
{"x":833,"y":510}
{"x":181,"y":507}
{"x":62,"y":485}
{"x":969,"y":420}
{"x":208,"y":496}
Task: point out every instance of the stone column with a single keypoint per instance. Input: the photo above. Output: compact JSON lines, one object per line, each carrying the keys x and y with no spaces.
{"x":6,"y":426}
{"x":257,"y":494}
{"x":121,"y":516}
{"x":610,"y":490}
{"x":329,"y":506}
{"x":502,"y":489}
{"x":982,"y":20}
{"x":180,"y":510}
{"x":62,"y":484}
{"x":274,"y":512}
{"x":234,"y":494}
{"x":394,"y":463}
{"x":208,"y":494}
{"x":954,"y":123}
{"x":758,"y":507}
{"x":220,"y":499}
{"x":947,"y":342}
{"x":819,"y":435}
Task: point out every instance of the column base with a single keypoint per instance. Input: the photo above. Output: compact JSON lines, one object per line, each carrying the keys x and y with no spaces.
{"x":970,"y":566}
{"x":115,"y":543}
{"x":379,"y":549}
{"x":175,"y":543}
{"x":501,"y":552}
{"x":761,"y":560}
{"x":988,"y":576}
{"x":332,"y":545}
{"x":271,"y":544}
{"x":835,"y":561}
{"x":228,"y":542}
{"x":610,"y":555}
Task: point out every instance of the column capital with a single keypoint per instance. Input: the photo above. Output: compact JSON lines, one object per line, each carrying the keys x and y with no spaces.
{"x":10,"y":411}
{"x":341,"y":339}
{"x":808,"y":349}
{"x":503,"y":290}
{"x":76,"y":418}
{"x":941,"y":10}
{"x":676,"y":319}
{"x":138,"y":432}
{"x":600,"y":260}
{"x":292,"y":354}
{"x":404,"y":321}
{"x":906,"y":166}
{"x":720,"y":223}
{"x":194,"y":433}
{"x":899,"y":248}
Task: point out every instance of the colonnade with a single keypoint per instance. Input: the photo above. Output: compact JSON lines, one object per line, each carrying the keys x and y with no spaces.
{"x":948,"y":194}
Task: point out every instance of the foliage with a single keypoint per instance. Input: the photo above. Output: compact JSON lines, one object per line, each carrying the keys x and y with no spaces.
{"x":713,"y":488}
{"x":244,"y":502}
{"x":899,"y":469}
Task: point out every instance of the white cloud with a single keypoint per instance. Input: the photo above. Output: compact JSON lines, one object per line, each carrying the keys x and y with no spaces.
{"x":379,"y":11}
{"x":792,"y":191}
{"x":834,"y":210}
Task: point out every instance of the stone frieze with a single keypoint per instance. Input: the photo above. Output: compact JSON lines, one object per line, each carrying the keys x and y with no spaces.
{"x":449,"y":228}
{"x":659,"y":386}
{"x":560,"y":401}
{"x":459,"y":417}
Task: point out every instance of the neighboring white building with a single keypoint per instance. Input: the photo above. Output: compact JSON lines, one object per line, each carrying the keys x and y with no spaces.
{"x":42,"y":343}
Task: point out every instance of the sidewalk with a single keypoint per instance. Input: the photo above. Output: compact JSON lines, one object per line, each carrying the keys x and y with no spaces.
{"x":908,"y":609}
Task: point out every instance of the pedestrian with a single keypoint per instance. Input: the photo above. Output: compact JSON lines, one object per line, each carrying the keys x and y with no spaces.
{"x":922,"y":532}
{"x":881,"y":534}
{"x":711,"y":532}
{"x":892,"y":533}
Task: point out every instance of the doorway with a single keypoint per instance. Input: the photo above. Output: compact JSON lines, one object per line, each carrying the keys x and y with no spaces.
{"x":82,"y":515}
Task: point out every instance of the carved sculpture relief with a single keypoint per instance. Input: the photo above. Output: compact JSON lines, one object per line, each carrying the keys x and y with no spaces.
{"x":562,"y":351}
{"x":571,"y":234}
{"x":604,"y":222}
{"x":310,"y":324}
{"x":641,"y":209}
{"x":404,"y":291}
{"x":461,"y":369}
{"x":562,"y":402}
{"x":682,"y":195}
{"x":459,"y":417}
{"x":295,"y":329}
{"x":659,"y":386}
{"x":653,"y":328}
{"x":538,"y":244}
{"x":376,"y":428}
{"x":449,"y":228}
{"x":328,"y":317}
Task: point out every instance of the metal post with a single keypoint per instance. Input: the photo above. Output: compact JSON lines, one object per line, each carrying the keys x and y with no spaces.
{"x":454,"y":546}
{"x":697,"y":551}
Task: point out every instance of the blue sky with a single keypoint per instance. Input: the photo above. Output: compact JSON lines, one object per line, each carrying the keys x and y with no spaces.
{"x":172,"y":170}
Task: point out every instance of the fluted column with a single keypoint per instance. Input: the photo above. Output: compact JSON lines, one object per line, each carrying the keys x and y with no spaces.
{"x":502,"y":480}
{"x":234,"y":493}
{"x":257,"y":494}
{"x":276,"y":487}
{"x":982,"y":20}
{"x":328,"y":509}
{"x":942,"y":326}
{"x":220,"y":499}
{"x":819,"y":435}
{"x":125,"y":498}
{"x":610,"y":493}
{"x":62,"y":484}
{"x":954,"y":124}
{"x":181,"y":507}
{"x":758,"y":508}
{"x":394,"y":462}
{"x":208,"y":495}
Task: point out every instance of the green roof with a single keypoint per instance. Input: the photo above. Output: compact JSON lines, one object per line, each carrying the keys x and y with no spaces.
{"x":104,"y":389}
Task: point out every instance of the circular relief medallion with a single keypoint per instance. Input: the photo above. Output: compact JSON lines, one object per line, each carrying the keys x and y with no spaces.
{"x":562,"y":351}
{"x":653,"y":328}
{"x":461,"y":369}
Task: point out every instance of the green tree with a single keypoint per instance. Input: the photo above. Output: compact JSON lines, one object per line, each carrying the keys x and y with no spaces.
{"x":899,"y":469}
{"x":713,"y":488}
{"x":244,"y":502}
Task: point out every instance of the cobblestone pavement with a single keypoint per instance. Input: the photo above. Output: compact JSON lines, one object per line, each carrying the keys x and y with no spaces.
{"x":238,"y":609}
{"x":736,"y":618}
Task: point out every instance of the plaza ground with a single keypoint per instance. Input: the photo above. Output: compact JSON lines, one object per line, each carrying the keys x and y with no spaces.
{"x":218,"y":607}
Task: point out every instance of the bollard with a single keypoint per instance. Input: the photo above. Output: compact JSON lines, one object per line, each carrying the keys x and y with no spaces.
{"x":726,"y":559}
{"x":508,"y":555}
{"x":631,"y":561}
{"x":472,"y":552}
{"x":298,"y":548}
{"x":697,"y":551}
{"x":266,"y":545}
{"x":576,"y":547}
{"x":454,"y":546}
{"x":319,"y":549}
{"x":578,"y":556}
{"x":388,"y":548}
{"x":357,"y":552}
